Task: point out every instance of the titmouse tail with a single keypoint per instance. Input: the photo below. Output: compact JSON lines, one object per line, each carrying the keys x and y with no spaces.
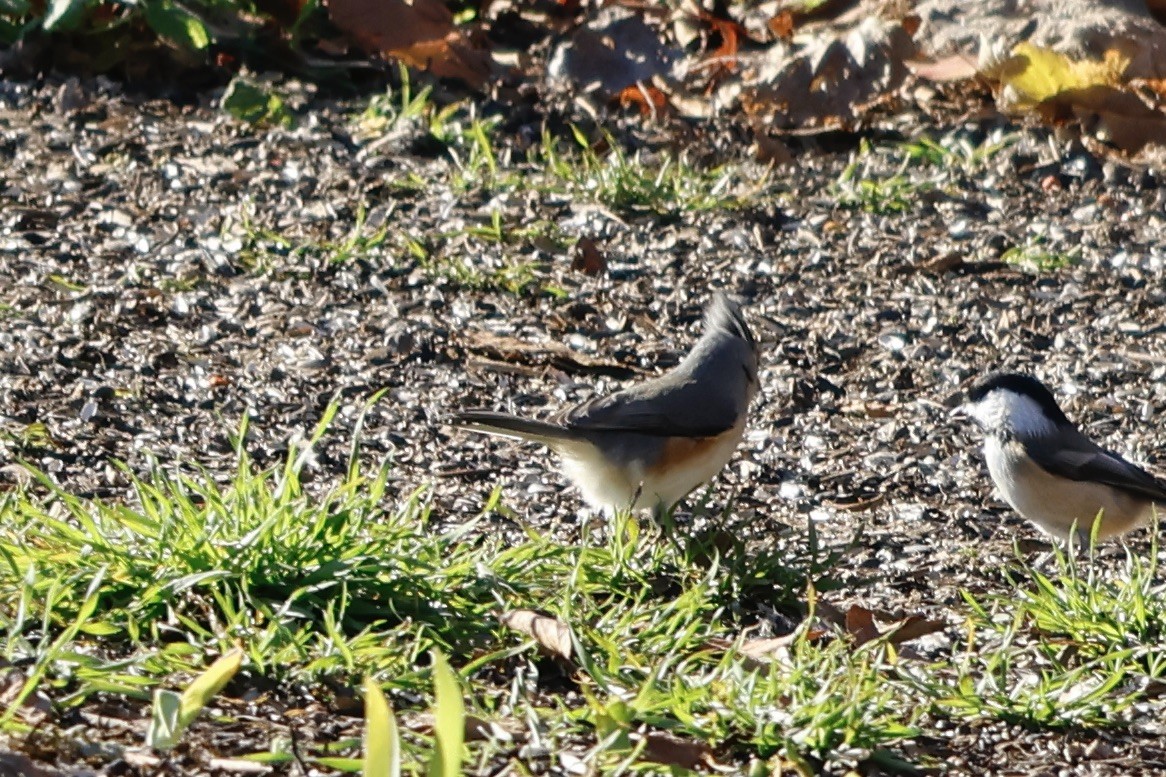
{"x":503,"y":425}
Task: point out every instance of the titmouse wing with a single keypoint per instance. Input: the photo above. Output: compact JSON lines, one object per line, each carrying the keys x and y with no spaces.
{"x":660,"y":408}
{"x":1076,"y":457}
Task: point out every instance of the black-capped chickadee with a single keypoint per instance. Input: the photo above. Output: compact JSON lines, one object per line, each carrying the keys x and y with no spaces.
{"x":648,"y":446}
{"x":1050,"y":472}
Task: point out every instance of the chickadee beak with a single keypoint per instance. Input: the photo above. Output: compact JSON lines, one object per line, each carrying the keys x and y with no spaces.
{"x":957,"y":408}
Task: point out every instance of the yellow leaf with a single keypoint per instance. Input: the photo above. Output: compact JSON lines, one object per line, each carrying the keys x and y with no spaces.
{"x":1036,"y":74}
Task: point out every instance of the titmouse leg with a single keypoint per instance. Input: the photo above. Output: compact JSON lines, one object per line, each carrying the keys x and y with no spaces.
{"x":667,"y":523}
{"x":591,"y":521}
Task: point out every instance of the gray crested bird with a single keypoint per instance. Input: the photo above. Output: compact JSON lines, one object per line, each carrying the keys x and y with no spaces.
{"x":649,"y":445}
{"x":1051,"y":473}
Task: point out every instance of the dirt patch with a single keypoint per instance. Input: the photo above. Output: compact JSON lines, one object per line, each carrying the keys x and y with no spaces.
{"x":165,"y":272}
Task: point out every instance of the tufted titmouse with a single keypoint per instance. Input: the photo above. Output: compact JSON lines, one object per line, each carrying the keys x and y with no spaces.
{"x":1050,"y":472}
{"x":648,"y":446}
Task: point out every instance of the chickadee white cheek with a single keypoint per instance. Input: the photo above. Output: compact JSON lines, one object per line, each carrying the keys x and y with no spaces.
{"x":979,"y":412}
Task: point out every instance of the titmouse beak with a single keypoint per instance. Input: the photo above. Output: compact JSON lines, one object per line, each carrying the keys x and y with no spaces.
{"x":768,"y":331}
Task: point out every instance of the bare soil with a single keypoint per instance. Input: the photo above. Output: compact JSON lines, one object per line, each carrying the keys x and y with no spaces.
{"x":138,"y":322}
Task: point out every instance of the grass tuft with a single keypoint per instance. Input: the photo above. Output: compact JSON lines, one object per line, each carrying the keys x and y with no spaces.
{"x":1076,"y":646}
{"x":357,"y":580}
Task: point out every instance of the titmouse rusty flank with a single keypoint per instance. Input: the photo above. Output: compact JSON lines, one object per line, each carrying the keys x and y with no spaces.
{"x":648,"y":446}
{"x":1050,"y":472}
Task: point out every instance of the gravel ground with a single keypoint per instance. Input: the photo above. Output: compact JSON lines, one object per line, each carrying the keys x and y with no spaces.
{"x":161,"y":276}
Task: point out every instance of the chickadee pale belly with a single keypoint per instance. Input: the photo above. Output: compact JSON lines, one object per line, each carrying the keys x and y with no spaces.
{"x":1054,"y":503}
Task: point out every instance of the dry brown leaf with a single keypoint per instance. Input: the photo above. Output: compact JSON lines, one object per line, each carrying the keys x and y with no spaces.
{"x":420,"y":33}
{"x":671,"y":750}
{"x":757,"y":653}
{"x":1096,"y":94}
{"x":943,"y":262}
{"x":833,"y":82}
{"x":653,"y":103}
{"x":587,"y":258}
{"x":766,"y":646}
{"x":956,"y":67}
{"x":914,"y":627}
{"x":772,"y":150}
{"x":725,"y":55}
{"x":761,"y":651}
{"x":782,"y":25}
{"x":551,"y":633}
{"x":1126,"y":122}
{"x":860,"y":624}
{"x":615,"y":50}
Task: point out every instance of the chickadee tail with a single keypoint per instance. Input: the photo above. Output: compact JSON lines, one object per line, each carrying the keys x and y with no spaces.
{"x":503,"y":425}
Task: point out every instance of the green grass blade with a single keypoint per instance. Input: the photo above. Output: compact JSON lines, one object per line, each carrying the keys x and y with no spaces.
{"x":449,"y":720}
{"x":199,"y":693}
{"x":166,"y":727}
{"x":382,"y":745}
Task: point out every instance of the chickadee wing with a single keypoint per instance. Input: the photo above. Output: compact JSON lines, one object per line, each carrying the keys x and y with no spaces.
{"x":672,"y":410}
{"x":1079,"y":458}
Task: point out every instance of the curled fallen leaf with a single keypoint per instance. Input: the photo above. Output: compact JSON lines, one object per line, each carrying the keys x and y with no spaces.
{"x":914,"y":627}
{"x":610,"y":53}
{"x":551,"y":633}
{"x":651,"y":100}
{"x":766,"y":650}
{"x":759,"y":652}
{"x":730,"y":33}
{"x":833,"y":81}
{"x":860,"y":624}
{"x":420,"y":33}
{"x":1119,"y":116}
{"x":672,"y":750}
{"x":1092,"y":93}
{"x":955,"y":67}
